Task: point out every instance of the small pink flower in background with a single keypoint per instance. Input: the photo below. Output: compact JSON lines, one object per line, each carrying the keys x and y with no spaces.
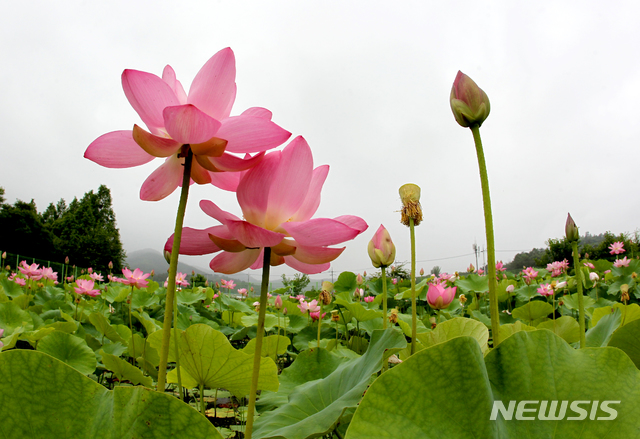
{"x":607,"y":271}
{"x":359,"y":279}
{"x":471,"y":268}
{"x":480,"y":271}
{"x":422,"y":272}
{"x":561,"y":285}
{"x":500,"y":266}
{"x":440,"y":297}
{"x":624,"y":262}
{"x":70,"y":278}
{"x":394,"y":281}
{"x":96,"y":277}
{"x":510,"y":289}
{"x":300,"y":297}
{"x":309,"y":306}
{"x":369,"y":299}
{"x":30,"y":271}
{"x":545,"y":290}
{"x":215,"y":296}
{"x":86,"y":287}
{"x":358,"y":292}
{"x":593,"y":277}
{"x":48,"y":273}
{"x":528,"y":274}
{"x":199,"y":121}
{"x":136,"y":278}
{"x":589,"y":265}
{"x":181,"y":280}
{"x":315,"y":315}
{"x":617,"y":248}
{"x":228,"y":284}
{"x":20,"y":281}
{"x":111,"y":278}
{"x":89,"y":270}
{"x":242,"y":291}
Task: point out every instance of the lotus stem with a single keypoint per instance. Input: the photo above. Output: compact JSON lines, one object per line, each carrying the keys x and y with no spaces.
{"x":384,"y":296}
{"x":173,"y":268}
{"x":414,"y":314}
{"x":576,"y":267}
{"x":491,"y":249}
{"x":176,"y":334}
{"x":133,"y":343}
{"x":259,"y":336}
{"x":319,"y":326}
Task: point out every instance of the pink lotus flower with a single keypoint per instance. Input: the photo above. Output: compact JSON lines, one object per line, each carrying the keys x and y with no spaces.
{"x":617,"y":248}
{"x":242,"y":291}
{"x":135,"y":278}
{"x":545,"y":290}
{"x":394,"y":281}
{"x":229,"y":284}
{"x":309,"y":306}
{"x":277,"y":198}
{"x":529,"y":273}
{"x":593,"y":277}
{"x":624,"y":262}
{"x":96,"y":277}
{"x":48,"y":273}
{"x":30,"y":271}
{"x":589,"y":265}
{"x":199,"y":121}
{"x":369,"y":299}
{"x":215,"y":296}
{"x":277,"y":304}
{"x":316,"y":315}
{"x":510,"y":289}
{"x":181,"y":280}
{"x":500,"y":266}
{"x":359,"y":279}
{"x":438,"y":297}
{"x":381,"y":249}
{"x":86,"y":287}
{"x":70,"y":279}
{"x":20,"y":281}
{"x":89,"y":270}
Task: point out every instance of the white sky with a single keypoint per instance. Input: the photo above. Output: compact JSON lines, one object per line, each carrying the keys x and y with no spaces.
{"x":367,"y":84}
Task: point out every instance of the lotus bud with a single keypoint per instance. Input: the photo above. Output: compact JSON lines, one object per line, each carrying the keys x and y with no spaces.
{"x":561,"y":285}
{"x":422,"y":272}
{"x":4,"y":255}
{"x":411,"y":209}
{"x":469,"y":103}
{"x":335,"y":317}
{"x":66,"y":260}
{"x":394,"y":281}
{"x":153,"y":273}
{"x":438,"y":297}
{"x":324,"y":298}
{"x":471,"y":268}
{"x":167,"y":256}
{"x":89,"y":270}
{"x":571,"y":230}
{"x":285,"y":311}
{"x":593,"y":277}
{"x":510,"y":289}
{"x":277,"y":304}
{"x":110,"y":265}
{"x":359,"y":279}
{"x":364,"y":274}
{"x":381,"y":249}
{"x":634,"y":275}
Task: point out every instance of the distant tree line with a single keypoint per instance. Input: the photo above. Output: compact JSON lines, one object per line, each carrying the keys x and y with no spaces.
{"x":590,"y":247}
{"x":84,"y":231}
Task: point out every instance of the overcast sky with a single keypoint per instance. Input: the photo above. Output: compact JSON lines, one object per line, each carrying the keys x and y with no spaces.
{"x":367,"y":83}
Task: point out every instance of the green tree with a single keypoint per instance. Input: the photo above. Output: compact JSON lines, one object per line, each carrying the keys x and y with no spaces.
{"x":24,"y":232}
{"x":297,"y":284}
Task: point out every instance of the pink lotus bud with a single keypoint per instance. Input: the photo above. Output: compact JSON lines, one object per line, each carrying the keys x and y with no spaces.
{"x":110,"y":265}
{"x":571,"y":230}
{"x":369,"y":299}
{"x":89,"y":270}
{"x":469,"y":103}
{"x":278,"y":302}
{"x":364,"y":274}
{"x":4,"y":255}
{"x":510,"y":289}
{"x":167,"y":256}
{"x":394,"y":281}
{"x":381,"y":249}
{"x":359,"y":279}
{"x":471,"y":268}
{"x":438,"y":297}
{"x":593,"y":277}
{"x":66,"y":260}
{"x":422,"y":272}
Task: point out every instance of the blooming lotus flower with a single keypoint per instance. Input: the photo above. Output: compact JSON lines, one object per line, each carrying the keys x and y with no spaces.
{"x":589,"y":265}
{"x":369,"y":299}
{"x":20,"y":281}
{"x":178,"y":122}
{"x":500,"y":266}
{"x":96,"y":277}
{"x":624,"y":262}
{"x":135,"y":278}
{"x":469,"y":103}
{"x":440,"y":297}
{"x":529,"y":273}
{"x":381,"y":249}
{"x":242,"y":291}
{"x":86,"y":287}
{"x":545,"y":290}
{"x":181,"y":279}
{"x":278,"y":198}
{"x":561,"y":285}
{"x":309,"y":306}
{"x":30,"y":271}
{"x":48,"y":273}
{"x":617,"y":248}
{"x":315,"y":315}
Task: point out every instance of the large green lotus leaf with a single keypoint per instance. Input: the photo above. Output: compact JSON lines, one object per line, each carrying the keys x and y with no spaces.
{"x":565,"y":327}
{"x":143,"y":299}
{"x":358,"y":311}
{"x":600,"y":334}
{"x":150,"y":324}
{"x":234,"y":305}
{"x":10,"y":288}
{"x":272,"y":345}
{"x":209,"y":358}
{"x":69,"y":349}
{"x":526,"y":293}
{"x":308,"y":337}
{"x":314,"y":408}
{"x":155,"y":341}
{"x":83,"y":408}
{"x":571,"y":301}
{"x":116,"y":293}
{"x":190,"y":296}
{"x":473,"y":283}
{"x":448,"y":391}
{"x":532,"y":311}
{"x":405,"y":293}
{"x":511,"y":328}
{"x":292,"y":308}
{"x":270,"y":321}
{"x":125,"y":371}
{"x":455,"y":328}
{"x":12,"y":317}
{"x":629,"y":312}
{"x":104,"y":327}
{"x":309,"y":365}
{"x":627,"y":338}
{"x":346,"y":283}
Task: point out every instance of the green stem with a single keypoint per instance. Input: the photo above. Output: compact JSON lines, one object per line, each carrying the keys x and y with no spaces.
{"x":384,"y":296}
{"x":133,"y":343}
{"x":319,"y":326}
{"x":414,"y":315}
{"x":176,"y":335}
{"x":576,"y":267}
{"x":202,"y":407}
{"x":173,"y":268}
{"x":491,"y":250}
{"x":257,"y":355}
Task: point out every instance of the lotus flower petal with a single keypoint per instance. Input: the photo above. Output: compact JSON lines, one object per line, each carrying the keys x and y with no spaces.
{"x":320,"y":232}
{"x":215,"y":212}
{"x":230,"y":163}
{"x":117,"y":149}
{"x":229,"y":263}
{"x":196,"y":241}
{"x":148,"y":95}
{"x":305,"y":268}
{"x":169,"y":76}
{"x":253,"y":236}
{"x":157,"y":146}
{"x":163,"y":181}
{"x":312,"y":201}
{"x":251,"y":134}
{"x":187,"y":124}
{"x":213,"y":90}
{"x":253,"y":190}
{"x":317,"y":255}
